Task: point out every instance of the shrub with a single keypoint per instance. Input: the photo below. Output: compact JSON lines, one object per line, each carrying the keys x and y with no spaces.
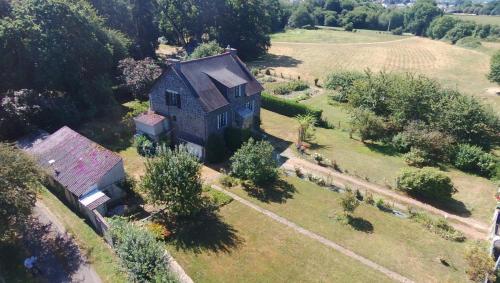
{"x":401,"y":143}
{"x":433,"y":145}
{"x":228,"y":181}
{"x":367,"y":124}
{"x":217,"y":198}
{"x":339,"y":97}
{"x":234,"y":137}
{"x":288,"y":87}
{"x":206,"y":49}
{"x":140,"y":253}
{"x":480,"y":264}
{"x":397,"y":31}
{"x":349,"y":27}
{"x":287,"y":107}
{"x":369,"y":199}
{"x":144,"y":146}
{"x":427,"y":183}
{"x":215,"y":149}
{"x":254,"y":161}
{"x":472,"y":158}
{"x":349,"y":202}
{"x":469,"y":42}
{"x":417,"y":157}
{"x":438,"y":226}
{"x":343,"y":80}
{"x":158,"y":230}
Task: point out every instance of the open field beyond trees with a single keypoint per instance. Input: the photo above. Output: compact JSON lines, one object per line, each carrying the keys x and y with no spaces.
{"x":314,"y":54}
{"x":480,"y":19}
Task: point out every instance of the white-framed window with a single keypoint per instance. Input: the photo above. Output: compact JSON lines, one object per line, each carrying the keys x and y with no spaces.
{"x":250,"y":104}
{"x":222,"y":120}
{"x":238,"y":91}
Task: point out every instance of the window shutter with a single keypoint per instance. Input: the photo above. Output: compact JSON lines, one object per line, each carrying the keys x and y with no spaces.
{"x":178,"y":100}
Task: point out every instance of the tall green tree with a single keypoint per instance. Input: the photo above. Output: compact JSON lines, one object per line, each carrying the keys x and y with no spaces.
{"x":19,"y":178}
{"x":254,"y":161}
{"x":494,"y":74}
{"x":59,"y":45}
{"x":173,"y":179}
{"x":419,"y":16}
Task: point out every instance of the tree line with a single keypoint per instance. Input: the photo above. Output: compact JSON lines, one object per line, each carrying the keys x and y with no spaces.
{"x":468,"y":7}
{"x":62,"y":60}
{"x":424,"y":18}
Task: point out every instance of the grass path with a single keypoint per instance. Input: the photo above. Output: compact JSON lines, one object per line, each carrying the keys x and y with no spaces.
{"x":469,"y":226}
{"x":391,"y":274}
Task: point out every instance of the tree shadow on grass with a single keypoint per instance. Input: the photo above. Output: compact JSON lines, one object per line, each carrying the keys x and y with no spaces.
{"x":277,"y":192}
{"x":272,"y":60}
{"x":360,"y":224}
{"x":207,"y":232}
{"x":383,"y":149}
{"x":451,"y":206}
{"x":59,"y":256}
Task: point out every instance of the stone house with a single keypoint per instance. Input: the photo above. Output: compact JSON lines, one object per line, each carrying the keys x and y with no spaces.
{"x":201,"y":97}
{"x":83,"y":172}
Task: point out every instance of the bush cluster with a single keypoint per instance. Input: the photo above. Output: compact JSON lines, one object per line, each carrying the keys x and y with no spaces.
{"x":438,"y":226}
{"x":427,"y":183}
{"x":139,"y":251}
{"x":144,"y":145}
{"x":288,"y":87}
{"x":473,"y":159}
{"x":288,"y":107}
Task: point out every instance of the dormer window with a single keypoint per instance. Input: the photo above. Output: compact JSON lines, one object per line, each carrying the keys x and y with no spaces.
{"x":238,"y":91}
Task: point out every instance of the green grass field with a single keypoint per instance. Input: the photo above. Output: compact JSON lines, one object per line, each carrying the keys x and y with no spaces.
{"x":100,"y":255}
{"x":314,"y":54}
{"x":480,"y":19}
{"x":378,"y":163}
{"x":398,"y":244}
{"x":333,"y":35}
{"x":250,"y":247}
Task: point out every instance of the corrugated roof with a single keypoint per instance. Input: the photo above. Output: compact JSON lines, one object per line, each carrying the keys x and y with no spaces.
{"x":74,"y":161}
{"x":225,"y":68}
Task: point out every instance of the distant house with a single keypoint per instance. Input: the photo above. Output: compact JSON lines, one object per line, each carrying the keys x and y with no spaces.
{"x":194,"y":99}
{"x":83,"y":171}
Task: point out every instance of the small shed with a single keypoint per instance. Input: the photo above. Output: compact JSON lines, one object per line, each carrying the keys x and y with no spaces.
{"x":151,"y":124}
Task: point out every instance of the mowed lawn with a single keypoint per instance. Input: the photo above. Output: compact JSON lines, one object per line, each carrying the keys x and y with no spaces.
{"x":250,"y":247}
{"x":475,"y":197}
{"x":340,"y":36}
{"x":315,"y":53}
{"x":241,"y":245}
{"x":480,"y":19}
{"x":398,"y":244}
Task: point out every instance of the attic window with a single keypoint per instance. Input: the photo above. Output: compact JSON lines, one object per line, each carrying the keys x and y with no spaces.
{"x":238,"y":91}
{"x":172,"y":98}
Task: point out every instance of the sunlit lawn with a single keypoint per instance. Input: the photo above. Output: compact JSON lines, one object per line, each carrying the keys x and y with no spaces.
{"x":250,"y":247}
{"x":396,"y":243}
{"x":333,"y":35}
{"x":377,"y":162}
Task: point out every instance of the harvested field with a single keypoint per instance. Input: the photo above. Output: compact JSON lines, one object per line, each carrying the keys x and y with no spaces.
{"x":453,"y":66}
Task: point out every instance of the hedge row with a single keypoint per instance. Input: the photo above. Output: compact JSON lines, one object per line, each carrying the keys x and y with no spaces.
{"x":287,"y":107}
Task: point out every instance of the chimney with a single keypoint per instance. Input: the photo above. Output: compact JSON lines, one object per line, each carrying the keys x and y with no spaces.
{"x":231,"y":50}
{"x":176,"y":63}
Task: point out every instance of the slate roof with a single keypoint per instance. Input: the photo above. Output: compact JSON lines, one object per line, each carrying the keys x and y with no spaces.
{"x":226,"y":69}
{"x":150,"y":118}
{"x":73,"y":160}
